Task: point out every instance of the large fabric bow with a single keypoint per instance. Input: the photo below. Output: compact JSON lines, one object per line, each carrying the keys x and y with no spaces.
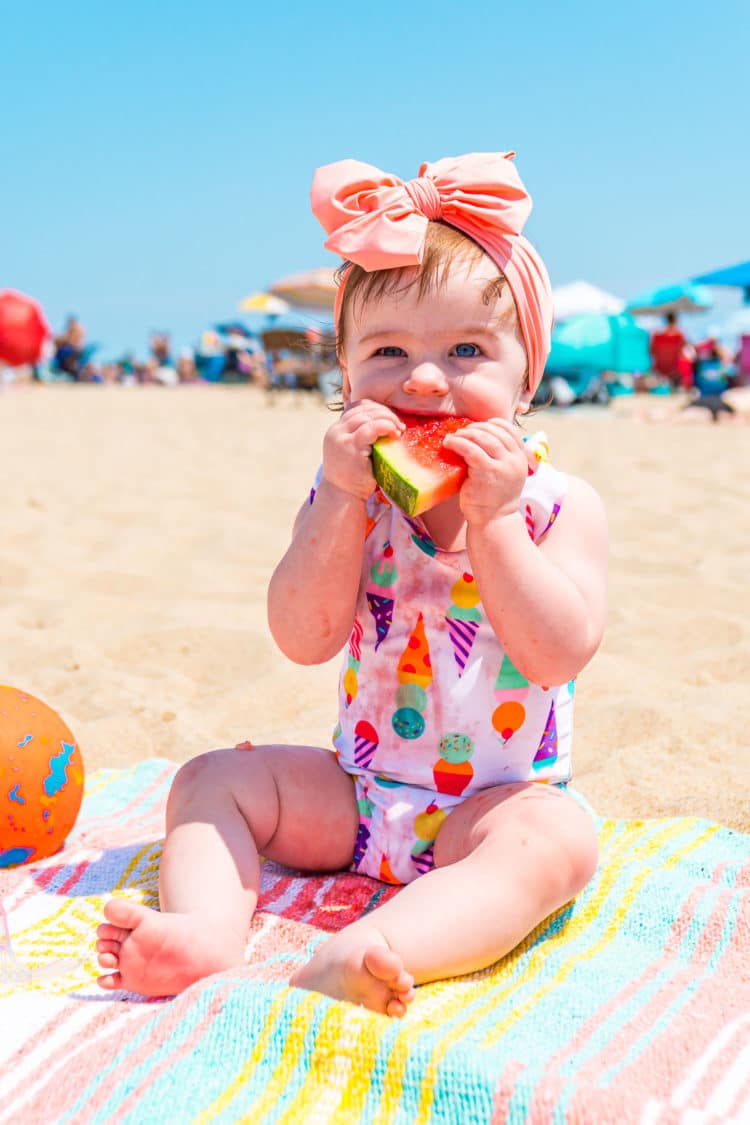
{"x":378,"y":221}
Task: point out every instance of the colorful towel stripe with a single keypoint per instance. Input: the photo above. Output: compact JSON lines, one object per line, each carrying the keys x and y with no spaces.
{"x":631,"y":1004}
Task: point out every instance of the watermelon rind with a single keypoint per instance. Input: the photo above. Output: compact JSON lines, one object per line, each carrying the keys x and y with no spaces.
{"x":414,"y":487}
{"x":391,"y":479}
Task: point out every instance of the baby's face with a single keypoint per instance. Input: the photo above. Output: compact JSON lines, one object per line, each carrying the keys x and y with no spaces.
{"x":446,"y":353}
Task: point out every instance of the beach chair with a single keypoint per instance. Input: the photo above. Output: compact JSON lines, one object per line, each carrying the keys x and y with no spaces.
{"x":668,"y":358}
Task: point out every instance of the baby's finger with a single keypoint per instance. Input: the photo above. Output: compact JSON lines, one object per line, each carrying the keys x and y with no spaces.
{"x":477,"y":447}
{"x":500,"y":428}
{"x":373,"y":409}
{"x":367,"y":426}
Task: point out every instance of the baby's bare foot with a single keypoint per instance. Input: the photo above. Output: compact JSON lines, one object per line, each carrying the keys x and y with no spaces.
{"x":359,"y":966}
{"x":160,"y":954}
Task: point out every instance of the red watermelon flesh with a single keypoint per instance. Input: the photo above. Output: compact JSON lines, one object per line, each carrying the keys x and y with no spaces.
{"x":414,"y":470}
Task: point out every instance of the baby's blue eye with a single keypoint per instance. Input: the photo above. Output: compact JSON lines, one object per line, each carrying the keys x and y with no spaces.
{"x":466,"y":351}
{"x":390,"y":350}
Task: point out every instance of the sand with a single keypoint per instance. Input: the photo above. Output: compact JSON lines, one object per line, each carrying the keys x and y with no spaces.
{"x":141,"y":525}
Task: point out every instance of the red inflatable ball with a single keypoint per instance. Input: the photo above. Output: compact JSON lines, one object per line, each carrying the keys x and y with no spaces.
{"x":23,"y":328}
{"x":41,"y":779}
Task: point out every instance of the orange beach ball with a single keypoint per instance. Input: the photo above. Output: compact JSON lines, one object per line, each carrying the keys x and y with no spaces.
{"x":41,"y":779}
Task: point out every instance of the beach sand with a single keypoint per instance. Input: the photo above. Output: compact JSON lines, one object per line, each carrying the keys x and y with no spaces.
{"x":141,"y":525}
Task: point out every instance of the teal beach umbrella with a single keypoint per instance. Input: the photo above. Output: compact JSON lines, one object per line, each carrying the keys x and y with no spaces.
{"x":685,"y":296}
{"x":599,"y":342}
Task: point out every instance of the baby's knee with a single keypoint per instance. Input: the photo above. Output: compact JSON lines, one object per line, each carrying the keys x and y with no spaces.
{"x":581,"y":850}
{"x":576,"y":852}
{"x":199,"y":776}
{"x":562,"y":845}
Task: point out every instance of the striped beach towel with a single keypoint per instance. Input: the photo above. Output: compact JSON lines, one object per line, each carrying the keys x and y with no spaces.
{"x":630,"y":1005}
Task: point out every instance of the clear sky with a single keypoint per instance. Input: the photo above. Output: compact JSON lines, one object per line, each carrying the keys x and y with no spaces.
{"x":156,"y":155}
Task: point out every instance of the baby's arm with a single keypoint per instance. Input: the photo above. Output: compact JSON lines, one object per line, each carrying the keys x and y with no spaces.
{"x":313,"y":591}
{"x":312,"y":596}
{"x":547,"y":601}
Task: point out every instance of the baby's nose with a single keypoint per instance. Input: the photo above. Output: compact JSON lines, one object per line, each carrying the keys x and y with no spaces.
{"x":426,"y":379}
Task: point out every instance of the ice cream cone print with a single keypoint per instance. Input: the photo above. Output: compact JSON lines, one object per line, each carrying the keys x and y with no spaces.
{"x":383,"y":575}
{"x":511,"y":689}
{"x":426,"y":827}
{"x":421,"y":539}
{"x":355,"y":640}
{"x":414,"y":665}
{"x":463,"y":618}
{"x":386,"y":875}
{"x":546,"y":754}
{"x":360,"y":845}
{"x":349,"y":682}
{"x":414,"y":676}
{"x":365,"y":743}
{"x":366,"y":809}
{"x":510,"y":685}
{"x":453,"y":770}
{"x":424,"y":861}
{"x":381,"y":608}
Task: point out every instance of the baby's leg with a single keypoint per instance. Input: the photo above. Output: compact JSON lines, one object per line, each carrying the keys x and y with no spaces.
{"x":292,"y":804}
{"x":506,"y":859}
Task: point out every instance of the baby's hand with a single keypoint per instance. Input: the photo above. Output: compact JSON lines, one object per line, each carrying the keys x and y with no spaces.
{"x":348,"y":444}
{"x":498,"y":467}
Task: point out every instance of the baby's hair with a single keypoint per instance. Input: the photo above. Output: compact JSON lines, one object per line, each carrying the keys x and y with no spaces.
{"x":443,"y":246}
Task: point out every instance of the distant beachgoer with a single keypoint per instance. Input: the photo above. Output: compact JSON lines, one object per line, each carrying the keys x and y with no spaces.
{"x":187,"y":371}
{"x":70,"y":349}
{"x":161,"y":366}
{"x":462,"y":631}
{"x":671,"y":355}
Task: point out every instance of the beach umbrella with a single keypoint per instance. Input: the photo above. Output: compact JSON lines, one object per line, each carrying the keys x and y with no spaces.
{"x":581,"y":297}
{"x":233,"y":328}
{"x":266,"y":303}
{"x":23,"y":328}
{"x":314,"y":289}
{"x":736,"y":276}
{"x":683,"y":297}
{"x":600,"y":342}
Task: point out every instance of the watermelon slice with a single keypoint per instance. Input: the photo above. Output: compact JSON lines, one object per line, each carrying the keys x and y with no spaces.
{"x":414,"y":470}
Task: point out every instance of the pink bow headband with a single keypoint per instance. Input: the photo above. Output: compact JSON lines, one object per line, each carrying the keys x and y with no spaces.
{"x":379,"y":222}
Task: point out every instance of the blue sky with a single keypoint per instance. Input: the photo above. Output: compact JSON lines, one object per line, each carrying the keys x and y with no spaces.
{"x":156,"y":157}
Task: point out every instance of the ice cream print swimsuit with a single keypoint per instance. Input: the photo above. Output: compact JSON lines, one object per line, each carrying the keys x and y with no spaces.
{"x":431,"y":709}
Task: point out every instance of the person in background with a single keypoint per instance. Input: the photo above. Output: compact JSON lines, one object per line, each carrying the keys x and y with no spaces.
{"x":187,"y":371}
{"x":161,"y":364}
{"x":671,"y":354}
{"x":70,"y":349}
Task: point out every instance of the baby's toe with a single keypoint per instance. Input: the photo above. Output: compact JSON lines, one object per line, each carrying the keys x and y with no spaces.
{"x":110,"y":981}
{"x":108,"y":947}
{"x":108,"y":960}
{"x":383,"y":964}
{"x":108,"y":932}
{"x":404,"y":983}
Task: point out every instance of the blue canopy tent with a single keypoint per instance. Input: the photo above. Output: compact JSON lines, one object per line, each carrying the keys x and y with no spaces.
{"x":737,"y":277}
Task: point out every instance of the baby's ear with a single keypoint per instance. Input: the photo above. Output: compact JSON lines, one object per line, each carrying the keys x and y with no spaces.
{"x":524,"y":400}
